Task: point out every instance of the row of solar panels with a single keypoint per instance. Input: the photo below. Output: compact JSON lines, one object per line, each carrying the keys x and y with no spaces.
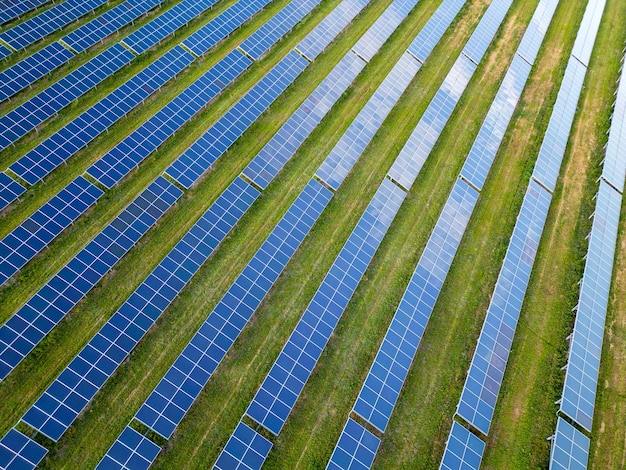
{"x":484,"y":379}
{"x":12,"y":10}
{"x":101,"y":356}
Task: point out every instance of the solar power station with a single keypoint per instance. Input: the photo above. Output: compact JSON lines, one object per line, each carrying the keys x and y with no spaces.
{"x":169,"y":168}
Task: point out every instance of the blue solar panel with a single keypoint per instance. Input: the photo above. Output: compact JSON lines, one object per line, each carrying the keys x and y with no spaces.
{"x":614,"y":169}
{"x":51,"y":20}
{"x":68,"y":395}
{"x":197,"y":159}
{"x":555,"y":141}
{"x":346,"y":152}
{"x":36,"y":232}
{"x":14,"y":9}
{"x":536,"y":30}
{"x":487,"y":143}
{"x":327,"y":30}
{"x":490,"y":22}
{"x":570,"y":448}
{"x":423,"y":138}
{"x":581,"y":378}
{"x":106,"y":24}
{"x":280,"y":24}
{"x":31,"y":69}
{"x":355,"y":449}
{"x":130,"y":451}
{"x":434,"y":30}
{"x":484,"y":379}
{"x":22,"y":332}
{"x":220,"y":27}
{"x":464,"y":450}
{"x":284,"y":144}
{"x":166,"y":23}
{"x":282,"y":386}
{"x":385,"y":379}
{"x":56,"y":149}
{"x":132,"y":150}
{"x":379,"y":32}
{"x":29,"y":115}
{"x":10,"y":190}
{"x":4,"y":52}
{"x":245,"y":450}
{"x":19,"y":452}
{"x":173,"y":396}
{"x":586,"y":37}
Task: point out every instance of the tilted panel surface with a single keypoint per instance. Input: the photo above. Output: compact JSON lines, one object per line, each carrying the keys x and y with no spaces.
{"x":13,"y":10}
{"x":19,"y":452}
{"x":10,"y":190}
{"x":355,"y":450}
{"x":130,"y":451}
{"x":464,"y":450}
{"x":570,"y":448}
{"x":245,"y":450}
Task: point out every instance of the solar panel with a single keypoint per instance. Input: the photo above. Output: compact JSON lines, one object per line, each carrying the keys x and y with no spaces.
{"x":570,"y":448}
{"x":109,"y":22}
{"x":614,"y":167}
{"x":225,"y":23}
{"x":384,"y":381}
{"x":464,"y":450}
{"x":552,"y":149}
{"x":36,"y":232}
{"x":192,"y":164}
{"x":355,"y":450}
{"x":66,"y":142}
{"x":19,"y":452}
{"x":486,"y":371}
{"x":166,"y":406}
{"x":31,"y":69}
{"x":587,"y":31}
{"x":423,"y":138}
{"x":284,"y":144}
{"x":14,"y":9}
{"x":166,"y":23}
{"x":327,"y":30}
{"x":487,"y":143}
{"x":24,"y":330}
{"x":10,"y":190}
{"x":68,"y":395}
{"x":245,"y":450}
{"x":282,"y":386}
{"x":433,"y":31}
{"x":536,"y":30}
{"x":581,"y":378}
{"x":130,"y":451}
{"x":132,"y":150}
{"x":353,"y":142}
{"x":280,"y":24}
{"x":53,"y":19}
{"x":5,"y":52}
{"x":33,"y":112}
{"x":485,"y":31}
{"x":367,"y":46}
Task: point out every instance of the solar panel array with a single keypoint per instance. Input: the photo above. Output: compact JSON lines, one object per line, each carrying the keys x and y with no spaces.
{"x":109,"y":22}
{"x":192,"y":164}
{"x":28,"y":71}
{"x":165,"y":24}
{"x":68,"y":395}
{"x":130,"y":451}
{"x":31,"y":323}
{"x":464,"y":450}
{"x":259,"y":42}
{"x":53,"y":19}
{"x":132,"y":150}
{"x":63,"y":144}
{"x":570,"y":448}
{"x":356,"y":449}
{"x":53,"y":99}
{"x":36,"y":232}
{"x":17,"y":8}
{"x":10,"y":190}
{"x":19,"y":452}
{"x":220,"y":27}
{"x":4,"y":52}
{"x":245,"y":450}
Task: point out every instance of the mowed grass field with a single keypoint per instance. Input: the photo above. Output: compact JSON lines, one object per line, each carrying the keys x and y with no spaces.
{"x":416,"y":436}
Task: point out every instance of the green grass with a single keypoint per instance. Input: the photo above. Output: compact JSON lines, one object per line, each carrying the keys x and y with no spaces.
{"x":420,"y":424}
